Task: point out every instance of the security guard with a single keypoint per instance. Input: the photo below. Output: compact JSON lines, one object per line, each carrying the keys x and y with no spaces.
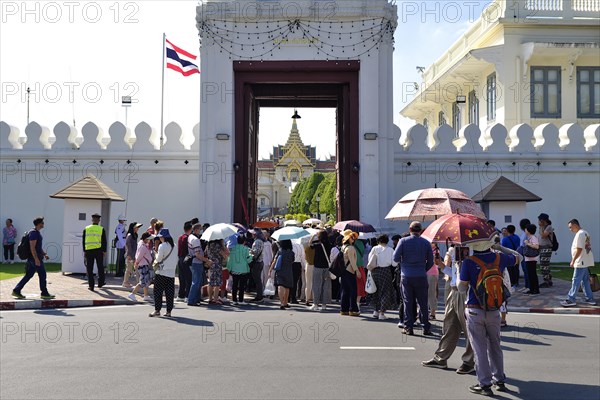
{"x":94,"y":248}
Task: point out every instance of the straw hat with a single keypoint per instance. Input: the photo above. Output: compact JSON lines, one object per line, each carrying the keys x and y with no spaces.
{"x":347,"y":234}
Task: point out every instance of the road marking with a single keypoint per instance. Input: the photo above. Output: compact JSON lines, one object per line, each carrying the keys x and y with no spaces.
{"x":374,"y":348}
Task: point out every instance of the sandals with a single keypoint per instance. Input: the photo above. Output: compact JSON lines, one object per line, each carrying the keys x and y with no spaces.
{"x":154,"y":314}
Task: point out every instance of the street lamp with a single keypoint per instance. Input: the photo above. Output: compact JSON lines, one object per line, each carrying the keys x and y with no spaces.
{"x":318,"y":207}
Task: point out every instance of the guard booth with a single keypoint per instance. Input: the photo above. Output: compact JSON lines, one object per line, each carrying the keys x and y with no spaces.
{"x":505,"y":202}
{"x":83,"y":198}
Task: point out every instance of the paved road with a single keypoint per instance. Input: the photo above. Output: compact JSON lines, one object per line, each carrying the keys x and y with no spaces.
{"x":118,"y":352}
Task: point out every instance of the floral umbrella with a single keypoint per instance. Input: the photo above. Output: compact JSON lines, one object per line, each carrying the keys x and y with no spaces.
{"x":355,"y":226}
{"x":459,"y":228}
{"x":429,"y":204}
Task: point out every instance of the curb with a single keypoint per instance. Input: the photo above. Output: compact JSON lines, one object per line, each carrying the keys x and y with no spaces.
{"x":49,"y":304}
{"x":562,"y":310}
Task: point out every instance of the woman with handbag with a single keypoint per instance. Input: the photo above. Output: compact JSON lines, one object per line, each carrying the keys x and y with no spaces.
{"x":433,"y":275}
{"x":531,"y":251}
{"x":381,"y":266}
{"x":164,"y":279}
{"x":218,"y":254}
{"x":349,"y":276}
{"x":284,"y":275}
{"x":143,"y":260}
{"x":321,"y":283}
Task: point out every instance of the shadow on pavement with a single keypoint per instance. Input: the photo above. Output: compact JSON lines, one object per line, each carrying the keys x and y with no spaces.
{"x":189,"y":321}
{"x":54,"y":312}
{"x":538,"y":390}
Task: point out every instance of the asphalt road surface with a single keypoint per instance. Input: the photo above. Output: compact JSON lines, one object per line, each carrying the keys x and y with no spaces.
{"x":265,"y":353}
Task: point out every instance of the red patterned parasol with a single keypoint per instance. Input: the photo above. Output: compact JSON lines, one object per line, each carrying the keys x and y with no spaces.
{"x":459,"y":228}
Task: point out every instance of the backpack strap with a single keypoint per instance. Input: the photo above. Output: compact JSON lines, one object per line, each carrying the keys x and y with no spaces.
{"x":482,"y":264}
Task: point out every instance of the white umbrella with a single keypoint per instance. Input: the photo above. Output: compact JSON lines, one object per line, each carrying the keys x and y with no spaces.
{"x":289,"y":233}
{"x":291,"y":222}
{"x":218,"y":231}
{"x":367,"y":235}
{"x":311,"y":221}
{"x":305,"y":239}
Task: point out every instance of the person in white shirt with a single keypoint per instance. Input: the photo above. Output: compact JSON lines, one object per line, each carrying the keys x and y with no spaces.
{"x":581,"y":259}
{"x":164,"y":280}
{"x":267,"y":257}
{"x":297,"y":267}
{"x":381,"y":264}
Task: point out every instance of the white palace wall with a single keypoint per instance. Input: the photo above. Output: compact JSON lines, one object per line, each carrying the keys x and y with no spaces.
{"x":564,"y":171}
{"x":566,"y":179}
{"x":167,"y":190}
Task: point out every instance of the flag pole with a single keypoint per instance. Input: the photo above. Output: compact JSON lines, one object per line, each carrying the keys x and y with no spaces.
{"x":162,"y":98}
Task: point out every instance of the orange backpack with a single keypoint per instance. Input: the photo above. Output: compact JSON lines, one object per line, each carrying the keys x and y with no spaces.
{"x":490,"y":289}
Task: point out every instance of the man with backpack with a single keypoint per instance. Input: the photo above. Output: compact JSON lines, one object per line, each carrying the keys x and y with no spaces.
{"x":30,"y":248}
{"x":481,"y":274}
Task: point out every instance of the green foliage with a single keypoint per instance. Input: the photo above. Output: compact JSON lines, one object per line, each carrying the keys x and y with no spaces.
{"x":289,"y":216}
{"x":304,"y":196}
{"x":301,"y":217}
{"x":328,"y":190}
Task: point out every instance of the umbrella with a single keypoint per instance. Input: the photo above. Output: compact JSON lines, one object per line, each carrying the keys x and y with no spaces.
{"x":289,"y":233}
{"x":459,"y":228}
{"x":219,"y":231}
{"x":428,"y":204}
{"x":240,"y":228}
{"x":367,"y":235}
{"x":355,"y":226}
{"x":311,"y":221}
{"x":265,"y":224}
{"x":291,"y":222}
{"x":305,"y":239}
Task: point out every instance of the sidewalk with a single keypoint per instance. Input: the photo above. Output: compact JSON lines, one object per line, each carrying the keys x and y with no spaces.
{"x":71,"y":291}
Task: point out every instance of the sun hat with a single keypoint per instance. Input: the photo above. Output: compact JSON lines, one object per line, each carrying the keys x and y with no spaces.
{"x":137,"y":224}
{"x":96,"y":215}
{"x":164,"y":232}
{"x":544,"y":217}
{"x":347,"y":234}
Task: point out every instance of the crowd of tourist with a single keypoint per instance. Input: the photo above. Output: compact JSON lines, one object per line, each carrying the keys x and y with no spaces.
{"x":402,"y":275}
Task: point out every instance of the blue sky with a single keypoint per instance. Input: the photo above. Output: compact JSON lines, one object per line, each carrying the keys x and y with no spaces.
{"x":96,"y":52}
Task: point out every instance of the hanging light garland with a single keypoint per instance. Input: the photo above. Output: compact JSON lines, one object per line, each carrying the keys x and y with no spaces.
{"x":337,"y":40}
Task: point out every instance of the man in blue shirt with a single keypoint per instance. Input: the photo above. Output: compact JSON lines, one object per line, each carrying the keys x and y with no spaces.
{"x":35,"y":262}
{"x":484,"y":326}
{"x":415,"y":257}
{"x":512,"y":242}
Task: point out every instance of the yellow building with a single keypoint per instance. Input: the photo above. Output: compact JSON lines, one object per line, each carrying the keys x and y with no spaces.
{"x":527,"y":62}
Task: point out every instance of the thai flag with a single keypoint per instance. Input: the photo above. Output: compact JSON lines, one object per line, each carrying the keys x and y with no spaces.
{"x":180,"y":60}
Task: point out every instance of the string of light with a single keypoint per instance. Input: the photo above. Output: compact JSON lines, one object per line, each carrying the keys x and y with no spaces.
{"x":379,"y":30}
